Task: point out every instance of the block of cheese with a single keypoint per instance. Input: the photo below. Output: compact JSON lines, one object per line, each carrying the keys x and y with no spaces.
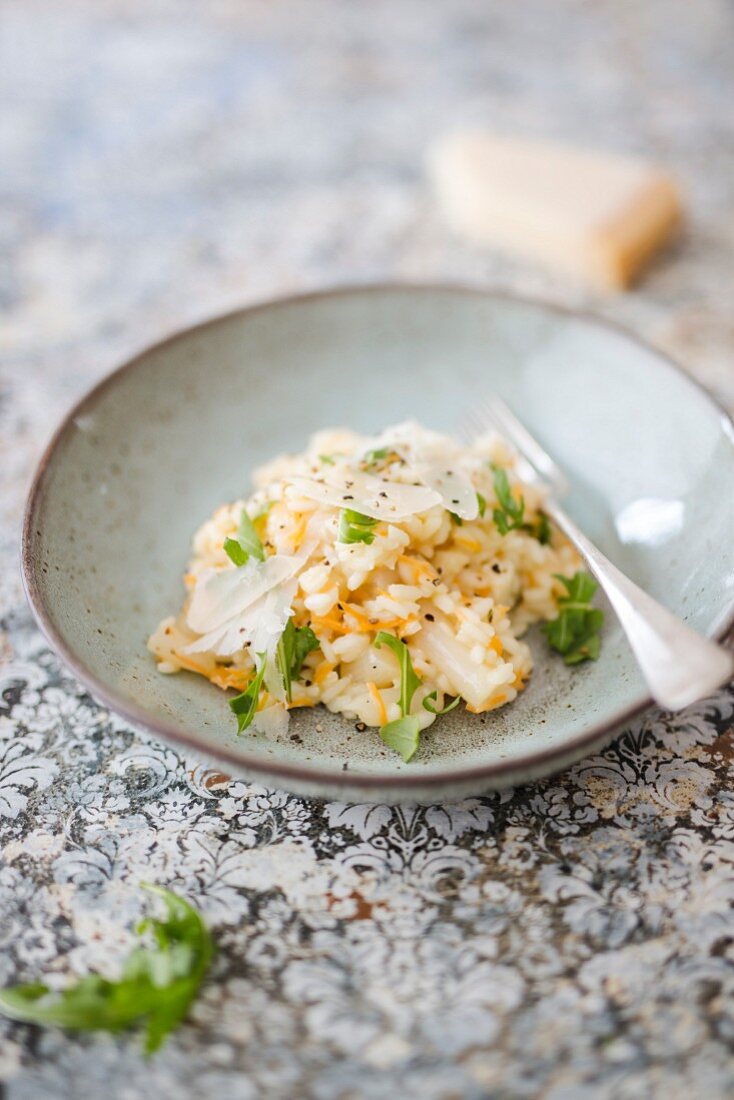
{"x":598,"y":216}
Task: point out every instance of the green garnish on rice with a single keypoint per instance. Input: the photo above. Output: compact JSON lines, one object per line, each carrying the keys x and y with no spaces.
{"x":372,"y":551}
{"x":354,"y":527}
{"x":575,"y":630}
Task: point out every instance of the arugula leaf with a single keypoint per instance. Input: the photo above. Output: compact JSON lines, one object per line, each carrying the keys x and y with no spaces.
{"x":402,"y":735}
{"x":235,"y":552}
{"x":248,"y":537}
{"x":296,"y":642}
{"x":482,"y":502}
{"x":370,"y":459}
{"x":305,"y":643}
{"x":248,"y":542}
{"x":245,"y":705}
{"x":542,"y":530}
{"x":575,"y":631}
{"x":433,"y":696}
{"x":408,"y":679}
{"x":156,"y":988}
{"x":354,"y":527}
{"x":511,"y":512}
{"x":580,"y":587}
{"x":510,"y":516}
{"x":587,"y":644}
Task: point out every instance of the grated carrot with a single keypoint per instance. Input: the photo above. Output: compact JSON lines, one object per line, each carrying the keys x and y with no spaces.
{"x":495,"y":700}
{"x":323,"y":671}
{"x":366,"y":626}
{"x":359,"y":616}
{"x":231,"y":678}
{"x":496,"y":645}
{"x":301,"y":701}
{"x":419,"y":567}
{"x":321,"y":621}
{"x":375,"y":693}
{"x":192,"y":666}
{"x":300,"y":531}
{"x":469,"y":544}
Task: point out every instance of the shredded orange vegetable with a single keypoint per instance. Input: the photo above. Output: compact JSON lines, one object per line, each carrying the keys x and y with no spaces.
{"x":192,"y":666}
{"x":318,"y":622}
{"x":472,"y":545}
{"x":495,"y":700}
{"x":419,"y":567}
{"x":300,"y":531}
{"x":323,"y":671}
{"x":231,"y":678}
{"x":375,"y":693}
{"x":364,"y":623}
{"x":359,"y":617}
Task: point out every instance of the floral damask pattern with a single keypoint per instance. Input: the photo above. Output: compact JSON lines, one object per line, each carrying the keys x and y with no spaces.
{"x":570,"y":940}
{"x":576,"y":933}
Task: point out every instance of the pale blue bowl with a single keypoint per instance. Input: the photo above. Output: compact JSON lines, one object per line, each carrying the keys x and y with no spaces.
{"x":149,"y":453}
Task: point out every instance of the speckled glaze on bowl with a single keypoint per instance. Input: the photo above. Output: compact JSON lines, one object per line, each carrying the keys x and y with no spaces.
{"x":150,"y":452}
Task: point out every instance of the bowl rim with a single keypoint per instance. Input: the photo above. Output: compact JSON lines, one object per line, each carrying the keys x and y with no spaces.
{"x":304,"y":773}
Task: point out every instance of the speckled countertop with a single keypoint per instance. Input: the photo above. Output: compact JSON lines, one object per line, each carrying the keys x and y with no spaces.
{"x":161,"y":162}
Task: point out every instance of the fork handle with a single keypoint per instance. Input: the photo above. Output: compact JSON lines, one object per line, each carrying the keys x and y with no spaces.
{"x":679,"y":665}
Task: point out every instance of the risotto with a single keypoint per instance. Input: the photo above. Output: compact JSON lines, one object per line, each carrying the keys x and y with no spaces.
{"x":387,"y":578}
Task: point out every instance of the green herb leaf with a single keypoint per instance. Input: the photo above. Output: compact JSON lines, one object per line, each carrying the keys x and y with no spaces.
{"x":587,"y":644}
{"x":296,"y":642}
{"x":482,"y":502}
{"x":456,"y":519}
{"x":373,"y":458}
{"x":575,"y":631}
{"x":408,"y":679}
{"x":402,"y":735}
{"x":354,"y":527}
{"x":433,"y":696}
{"x":327,"y":460}
{"x":235,"y":552}
{"x":305,"y":643}
{"x":542,"y":529}
{"x":157,"y":986}
{"x":248,"y":542}
{"x":580,"y":587}
{"x":248,"y":537}
{"x":245,"y":705}
{"x":510,"y":514}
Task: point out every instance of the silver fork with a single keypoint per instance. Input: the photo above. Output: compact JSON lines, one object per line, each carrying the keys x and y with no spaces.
{"x":679,"y":665}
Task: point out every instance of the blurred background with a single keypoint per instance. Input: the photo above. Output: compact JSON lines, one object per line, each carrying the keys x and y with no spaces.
{"x":162,"y":160}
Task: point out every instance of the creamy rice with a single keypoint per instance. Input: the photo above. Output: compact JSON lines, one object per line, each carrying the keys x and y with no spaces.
{"x":432,"y":571}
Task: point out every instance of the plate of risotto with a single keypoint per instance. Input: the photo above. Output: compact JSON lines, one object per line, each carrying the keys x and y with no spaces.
{"x":378,"y":609}
{"x":388,"y":579}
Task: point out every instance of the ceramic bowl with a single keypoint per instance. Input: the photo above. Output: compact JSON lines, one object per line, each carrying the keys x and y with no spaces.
{"x":151,"y":451}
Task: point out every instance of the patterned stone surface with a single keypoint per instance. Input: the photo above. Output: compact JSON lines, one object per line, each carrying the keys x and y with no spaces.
{"x":573,"y":938}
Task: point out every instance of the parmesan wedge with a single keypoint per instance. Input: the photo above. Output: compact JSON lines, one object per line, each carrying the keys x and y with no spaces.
{"x":598,"y":216}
